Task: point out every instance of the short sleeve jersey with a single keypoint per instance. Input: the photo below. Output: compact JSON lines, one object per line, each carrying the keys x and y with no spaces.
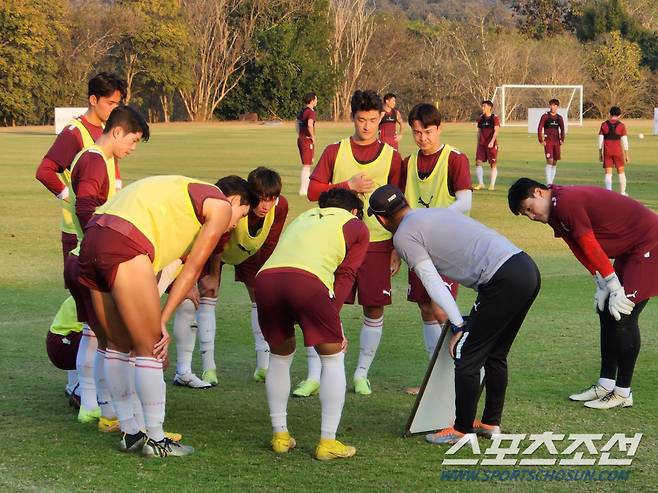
{"x":487,"y":126}
{"x":303,"y":117}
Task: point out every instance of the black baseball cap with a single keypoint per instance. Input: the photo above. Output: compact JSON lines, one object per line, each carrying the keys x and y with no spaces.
{"x":386,"y":200}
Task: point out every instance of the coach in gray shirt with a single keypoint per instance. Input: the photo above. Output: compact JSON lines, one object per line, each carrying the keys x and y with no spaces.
{"x":435,"y":242}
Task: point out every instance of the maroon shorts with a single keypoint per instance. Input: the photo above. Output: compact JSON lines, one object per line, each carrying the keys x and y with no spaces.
{"x":615,"y":160}
{"x":103,"y":249}
{"x":81,"y":294}
{"x":373,"y":280}
{"x":294,"y":296}
{"x":639,"y":274}
{"x":552,"y":150}
{"x":246,"y":273}
{"x":416,"y":291}
{"x":305,"y":146}
{"x":63,"y":350}
{"x":485,"y":153}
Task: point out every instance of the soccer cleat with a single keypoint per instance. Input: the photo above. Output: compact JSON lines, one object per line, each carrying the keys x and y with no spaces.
{"x":165,"y":448}
{"x":491,"y":188}
{"x":88,"y":415}
{"x":333,"y":449}
{"x":132,"y":443}
{"x":610,"y":400}
{"x":282,"y":442}
{"x":307,"y":388}
{"x":174,"y":437}
{"x":449,"y":436}
{"x":210,"y":376}
{"x":192,"y":381}
{"x":362,"y":386}
{"x":74,"y":401}
{"x":108,"y":425}
{"x":485,"y":430}
{"x":591,"y":393}
{"x":478,"y":187}
{"x":260,"y":374}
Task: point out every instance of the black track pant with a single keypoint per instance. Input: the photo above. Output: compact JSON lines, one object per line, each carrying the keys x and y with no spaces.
{"x":495,"y":319}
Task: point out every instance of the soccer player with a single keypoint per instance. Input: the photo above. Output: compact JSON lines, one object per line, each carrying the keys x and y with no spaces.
{"x":306,"y":281}
{"x":390,"y":127}
{"x":439,"y":241}
{"x":613,"y":149}
{"x":361,"y":163}
{"x":438,"y":175}
{"x":250,"y":244}
{"x":133,"y":236}
{"x":550,"y":133}
{"x":598,"y":225}
{"x":305,"y":126}
{"x":487,"y":145}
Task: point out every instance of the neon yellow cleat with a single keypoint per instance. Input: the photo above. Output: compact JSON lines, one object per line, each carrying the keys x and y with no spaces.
{"x":210,"y":376}
{"x":88,"y":415}
{"x":333,"y":449}
{"x":491,"y":188}
{"x":307,"y":388}
{"x":174,"y":437}
{"x":282,"y":442}
{"x":260,"y":374}
{"x":478,"y":187}
{"x":108,"y":425}
{"x":362,"y":386}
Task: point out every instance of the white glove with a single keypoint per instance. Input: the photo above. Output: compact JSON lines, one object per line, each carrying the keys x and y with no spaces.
{"x":618,"y":304}
{"x":601,"y":294}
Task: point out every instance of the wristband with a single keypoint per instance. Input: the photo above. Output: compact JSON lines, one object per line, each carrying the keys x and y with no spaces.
{"x":456,"y":329}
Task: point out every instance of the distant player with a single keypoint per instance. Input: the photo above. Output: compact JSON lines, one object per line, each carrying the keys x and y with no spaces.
{"x":362,"y":163}
{"x":598,"y":225}
{"x":550,"y":133}
{"x":487,"y":145}
{"x":390,"y":127}
{"x":613,"y":149}
{"x":305,"y":126}
{"x":437,"y":242}
{"x":306,"y":281}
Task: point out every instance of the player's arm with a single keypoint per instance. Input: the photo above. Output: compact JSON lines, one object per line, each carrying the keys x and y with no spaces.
{"x":310,"y":124}
{"x":323,"y":173}
{"x":57,"y":159}
{"x":90,"y":183}
{"x":562,"y":133}
{"x":540,"y":129}
{"x":459,"y":175}
{"x":601,"y":140}
{"x":400,"y":125}
{"x":624,"y":145}
{"x":495,"y":136}
{"x":47,"y":174}
{"x":357,"y":239}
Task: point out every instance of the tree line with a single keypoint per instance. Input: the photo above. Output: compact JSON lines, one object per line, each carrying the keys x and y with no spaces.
{"x":202,"y":59}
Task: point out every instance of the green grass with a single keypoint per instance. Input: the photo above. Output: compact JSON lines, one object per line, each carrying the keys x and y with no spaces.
{"x":555,"y":353}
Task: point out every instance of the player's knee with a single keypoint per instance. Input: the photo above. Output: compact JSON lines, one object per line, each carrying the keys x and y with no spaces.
{"x":373,"y":311}
{"x":426,"y":312}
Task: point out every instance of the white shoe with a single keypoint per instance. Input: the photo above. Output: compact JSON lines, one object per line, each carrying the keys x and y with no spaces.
{"x":594,"y":392}
{"x":610,"y":400}
{"x":191,"y":380}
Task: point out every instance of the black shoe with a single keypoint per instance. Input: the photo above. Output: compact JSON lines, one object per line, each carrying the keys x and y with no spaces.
{"x":132,"y":443}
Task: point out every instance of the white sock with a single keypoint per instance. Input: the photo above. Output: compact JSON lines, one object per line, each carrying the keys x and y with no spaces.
{"x":431,"y":334}
{"x":277,"y":387}
{"x":150,"y":386}
{"x":623,"y":391}
{"x":102,"y":390}
{"x":607,"y":181}
{"x":607,"y":383}
{"x":371,"y":334}
{"x":84,"y":363}
{"x":138,"y":410}
{"x":314,"y":364}
{"x":261,"y":345}
{"x":185,"y":335}
{"x":118,"y":374}
{"x":207,"y":322}
{"x":553,"y":173}
{"x":332,"y":393}
{"x":479,"y":172}
{"x":304,"y":179}
{"x":622,"y":183}
{"x":494,"y":175}
{"x":72,"y":380}
{"x":549,"y":180}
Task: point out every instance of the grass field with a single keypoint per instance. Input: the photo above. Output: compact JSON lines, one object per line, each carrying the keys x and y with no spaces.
{"x":556,"y":352}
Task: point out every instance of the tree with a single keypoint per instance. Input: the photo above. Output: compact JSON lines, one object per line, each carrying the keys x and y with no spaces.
{"x":539,"y":19}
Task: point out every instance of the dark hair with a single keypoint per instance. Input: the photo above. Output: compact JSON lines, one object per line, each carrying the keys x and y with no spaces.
{"x":309,"y":96}
{"x":389,"y":95}
{"x":615,"y":111}
{"x":427,"y":114}
{"x":343,"y":199}
{"x":521,"y":189}
{"x":488,"y":102}
{"x":104,"y":84}
{"x":236,"y":185}
{"x":129,"y":119}
{"x":366,"y":101}
{"x":265,"y":182}
{"x":554,"y":101}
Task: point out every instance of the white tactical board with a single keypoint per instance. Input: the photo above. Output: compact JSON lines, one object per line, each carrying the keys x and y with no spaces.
{"x":534,"y":115}
{"x":65,"y":115}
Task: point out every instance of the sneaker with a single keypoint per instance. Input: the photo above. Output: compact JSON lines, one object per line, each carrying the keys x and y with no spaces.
{"x":306,"y":388}
{"x":485,"y":430}
{"x":74,"y":401}
{"x":260,"y":374}
{"x":210,"y":376}
{"x":362,"y":386}
{"x":165,"y":448}
{"x":88,"y":415}
{"x":591,"y":393}
{"x":610,"y":400}
{"x":192,"y":381}
{"x":491,"y":188}
{"x":108,"y":425}
{"x":333,"y":449}
{"x":478,"y":187}
{"x":132,"y":443}
{"x":449,"y":436}
{"x":282,"y":442}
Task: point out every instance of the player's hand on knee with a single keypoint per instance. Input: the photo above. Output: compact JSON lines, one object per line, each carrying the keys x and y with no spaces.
{"x":161,"y":347}
{"x":618,"y":303}
{"x":361,"y":183}
{"x":601,"y":294}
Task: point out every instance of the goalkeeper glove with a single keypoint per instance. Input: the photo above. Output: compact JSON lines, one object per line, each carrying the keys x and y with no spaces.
{"x":618,"y":303}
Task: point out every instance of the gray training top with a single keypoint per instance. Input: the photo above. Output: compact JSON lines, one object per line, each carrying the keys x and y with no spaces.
{"x":458,"y":246}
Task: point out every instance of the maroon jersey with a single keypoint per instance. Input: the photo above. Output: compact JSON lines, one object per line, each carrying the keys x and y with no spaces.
{"x":551,"y":128}
{"x":91,"y":185}
{"x":621,"y":225}
{"x":487,"y":126}
{"x":304,"y":115}
{"x":612,"y":131}
{"x":388,"y":126}
{"x":459,"y":174}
